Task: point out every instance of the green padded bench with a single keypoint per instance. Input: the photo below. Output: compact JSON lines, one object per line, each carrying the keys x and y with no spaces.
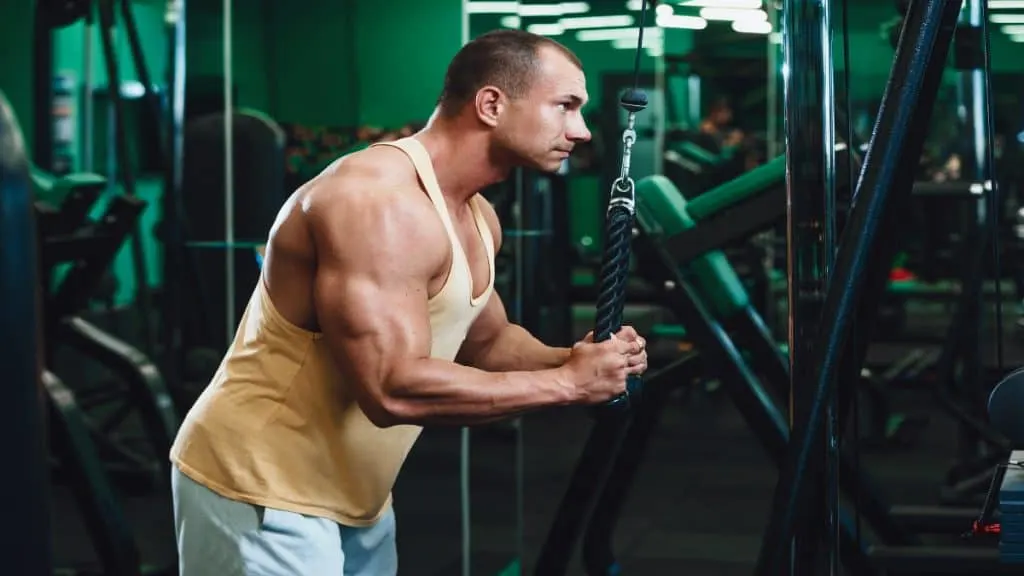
{"x":63,"y":202}
{"x":662,"y":211}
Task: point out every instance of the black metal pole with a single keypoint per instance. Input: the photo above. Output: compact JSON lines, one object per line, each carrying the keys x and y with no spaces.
{"x":23,"y":426}
{"x":125,"y":168}
{"x":973,"y":99}
{"x":42,"y":92}
{"x":809,"y":112}
{"x":897,"y":143}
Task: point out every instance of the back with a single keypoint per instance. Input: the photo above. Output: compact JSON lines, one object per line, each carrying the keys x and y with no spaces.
{"x":282,"y":423}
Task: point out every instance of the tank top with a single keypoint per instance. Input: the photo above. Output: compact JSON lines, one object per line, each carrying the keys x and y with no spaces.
{"x":279,"y":427}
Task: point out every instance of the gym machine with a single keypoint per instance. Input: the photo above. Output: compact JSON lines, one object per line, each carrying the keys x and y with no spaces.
{"x":858,"y":279}
{"x":90,"y":427}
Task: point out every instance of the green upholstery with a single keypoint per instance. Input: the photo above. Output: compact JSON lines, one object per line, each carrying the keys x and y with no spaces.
{"x":662,"y":210}
{"x":53,"y":189}
{"x":696,"y":152}
{"x":752,"y":183}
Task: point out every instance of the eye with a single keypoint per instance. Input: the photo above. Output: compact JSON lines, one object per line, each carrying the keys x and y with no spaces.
{"x":564,"y":106}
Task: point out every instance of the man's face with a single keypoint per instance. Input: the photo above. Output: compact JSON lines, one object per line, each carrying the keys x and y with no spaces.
{"x":541,"y":128}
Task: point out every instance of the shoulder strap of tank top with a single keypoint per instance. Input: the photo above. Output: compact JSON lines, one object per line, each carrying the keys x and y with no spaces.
{"x":421,"y":162}
{"x":481,"y":224}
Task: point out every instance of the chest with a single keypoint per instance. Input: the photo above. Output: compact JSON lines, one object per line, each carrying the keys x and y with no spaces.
{"x":474,"y":251}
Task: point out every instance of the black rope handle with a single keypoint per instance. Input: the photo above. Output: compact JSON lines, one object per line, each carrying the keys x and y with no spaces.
{"x":618,"y":233}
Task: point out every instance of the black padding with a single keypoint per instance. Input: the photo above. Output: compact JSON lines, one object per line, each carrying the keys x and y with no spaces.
{"x":259,"y":193}
{"x":1006,"y":407}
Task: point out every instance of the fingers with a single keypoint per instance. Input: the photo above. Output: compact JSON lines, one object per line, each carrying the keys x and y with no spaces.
{"x":627,"y":333}
{"x":636,"y":363}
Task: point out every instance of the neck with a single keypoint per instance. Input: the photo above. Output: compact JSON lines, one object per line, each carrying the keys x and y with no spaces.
{"x":461,"y":154}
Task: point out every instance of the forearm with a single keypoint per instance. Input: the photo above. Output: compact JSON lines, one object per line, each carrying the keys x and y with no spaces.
{"x":516,"y":349}
{"x":431,"y":391}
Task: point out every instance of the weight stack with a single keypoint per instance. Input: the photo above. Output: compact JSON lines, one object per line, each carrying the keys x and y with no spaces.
{"x":1011,"y":510}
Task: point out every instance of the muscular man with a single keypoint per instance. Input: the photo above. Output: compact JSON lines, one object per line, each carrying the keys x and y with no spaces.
{"x":376,"y":315}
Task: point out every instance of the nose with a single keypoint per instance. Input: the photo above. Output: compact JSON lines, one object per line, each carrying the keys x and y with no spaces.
{"x":577,"y":130}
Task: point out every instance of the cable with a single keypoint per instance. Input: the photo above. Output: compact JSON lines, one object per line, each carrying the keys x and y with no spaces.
{"x":619,"y":227}
{"x":639,"y":46}
{"x":990,"y":179}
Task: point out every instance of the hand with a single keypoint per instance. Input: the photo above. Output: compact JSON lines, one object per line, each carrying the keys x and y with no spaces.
{"x":598,"y":371}
{"x":637,"y":358}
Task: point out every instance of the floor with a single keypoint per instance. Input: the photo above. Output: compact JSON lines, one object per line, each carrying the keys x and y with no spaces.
{"x":699,"y":506}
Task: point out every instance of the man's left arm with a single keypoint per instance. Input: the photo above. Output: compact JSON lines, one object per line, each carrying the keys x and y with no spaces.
{"x":495,"y":344}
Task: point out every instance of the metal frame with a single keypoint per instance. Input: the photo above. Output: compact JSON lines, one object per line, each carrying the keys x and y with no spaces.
{"x":595,"y":462}
{"x":865,"y":248}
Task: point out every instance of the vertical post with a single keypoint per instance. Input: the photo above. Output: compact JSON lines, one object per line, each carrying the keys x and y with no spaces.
{"x":973,"y":99}
{"x":42,"y":92}
{"x":173,"y":213}
{"x":465,"y":433}
{"x":23,"y":425}
{"x":808,"y":100}
{"x":229,"y":177}
{"x":88,"y":95}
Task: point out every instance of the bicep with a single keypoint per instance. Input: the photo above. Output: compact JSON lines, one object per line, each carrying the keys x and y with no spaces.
{"x":370,"y":291}
{"x":370,"y":324}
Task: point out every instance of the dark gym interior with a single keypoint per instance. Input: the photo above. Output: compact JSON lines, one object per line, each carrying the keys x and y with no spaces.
{"x":823,"y":256}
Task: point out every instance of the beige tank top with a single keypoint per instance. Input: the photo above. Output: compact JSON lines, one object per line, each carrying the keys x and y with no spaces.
{"x":279,"y":427}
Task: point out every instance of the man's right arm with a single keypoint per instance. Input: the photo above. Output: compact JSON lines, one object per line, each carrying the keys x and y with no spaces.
{"x":375,"y":257}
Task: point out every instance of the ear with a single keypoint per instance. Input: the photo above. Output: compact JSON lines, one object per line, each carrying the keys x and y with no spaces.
{"x":490,"y":103}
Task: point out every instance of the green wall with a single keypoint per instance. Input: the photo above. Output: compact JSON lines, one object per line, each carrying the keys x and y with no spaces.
{"x":16,"y":60}
{"x":334,"y":63}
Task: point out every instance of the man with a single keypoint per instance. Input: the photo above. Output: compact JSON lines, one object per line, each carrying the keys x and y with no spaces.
{"x":375,"y":316}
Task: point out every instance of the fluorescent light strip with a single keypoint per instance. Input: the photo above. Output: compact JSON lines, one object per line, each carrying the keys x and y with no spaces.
{"x":511,"y":22}
{"x":748,"y":4}
{"x":557,"y":9}
{"x":752,"y":26}
{"x":1017,"y":38}
{"x":546,"y":29}
{"x":684,"y":22}
{"x":733,"y":14}
{"x":1007,"y":18}
{"x":1013,"y":30}
{"x":664,"y":10}
{"x":596,"y":22}
{"x":492,"y":7}
{"x":1005,"y":4}
{"x":653,"y":50}
{"x":604,"y":34}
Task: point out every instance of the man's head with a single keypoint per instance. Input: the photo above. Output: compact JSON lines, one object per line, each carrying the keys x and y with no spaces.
{"x":527,"y":90}
{"x":720,"y":112}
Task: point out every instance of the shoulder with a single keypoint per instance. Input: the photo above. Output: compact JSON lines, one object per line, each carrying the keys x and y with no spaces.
{"x":374,"y":204}
{"x":491,"y":218}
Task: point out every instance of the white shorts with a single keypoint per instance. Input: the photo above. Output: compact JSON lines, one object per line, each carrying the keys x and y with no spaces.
{"x":222,"y":537}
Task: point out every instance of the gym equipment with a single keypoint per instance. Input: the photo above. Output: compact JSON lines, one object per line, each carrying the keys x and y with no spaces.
{"x":26,"y":549}
{"x":1006,"y":408}
{"x":861,"y":266}
{"x":710,"y":301}
{"x":87,"y":247}
{"x":86,"y":422}
{"x":555,"y":553}
{"x":1011,"y":507}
